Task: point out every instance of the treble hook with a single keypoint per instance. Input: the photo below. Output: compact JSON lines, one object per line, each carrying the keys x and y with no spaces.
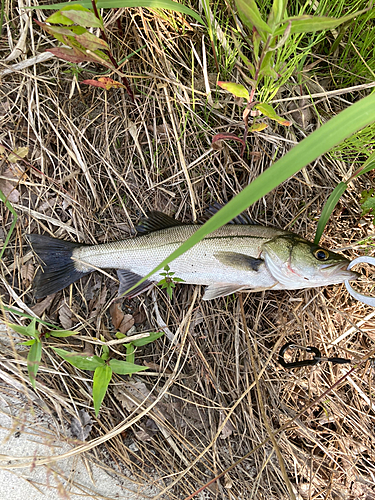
{"x":307,"y":362}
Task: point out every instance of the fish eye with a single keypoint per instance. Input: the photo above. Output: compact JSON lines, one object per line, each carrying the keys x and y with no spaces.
{"x":321,"y":254}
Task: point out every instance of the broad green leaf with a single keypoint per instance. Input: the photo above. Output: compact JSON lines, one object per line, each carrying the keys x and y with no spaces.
{"x":127,"y":4}
{"x":277,"y":12}
{"x":328,"y":209}
{"x":90,"y":41}
{"x":28,"y":342}
{"x":125,"y":368}
{"x":343,"y":125}
{"x":77,"y":55}
{"x":236,"y":89}
{"x":82,"y":361}
{"x":250,"y":15}
{"x":29,"y":330}
{"x":258,"y":127}
{"x":101,"y":380}
{"x":130,"y":353}
{"x":268,"y":111}
{"x":308,"y":24}
{"x":62,"y":333}
{"x":105,"y":354}
{"x":59,"y":33}
{"x":60,"y":18}
{"x":33,"y":361}
{"x":147,"y":340}
{"x":83,"y":18}
{"x":19,"y":329}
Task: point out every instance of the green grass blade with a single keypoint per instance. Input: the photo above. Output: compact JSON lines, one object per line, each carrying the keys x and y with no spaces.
{"x":328,"y":209}
{"x":367,"y":166}
{"x":101,"y":380}
{"x":349,"y":121}
{"x":33,"y":360}
{"x":15,"y":217}
{"x":25,"y":315}
{"x":337,"y":193}
{"x":308,"y":24}
{"x":127,"y":4}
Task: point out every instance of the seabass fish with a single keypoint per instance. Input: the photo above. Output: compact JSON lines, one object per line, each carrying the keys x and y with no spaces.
{"x":233,"y":258}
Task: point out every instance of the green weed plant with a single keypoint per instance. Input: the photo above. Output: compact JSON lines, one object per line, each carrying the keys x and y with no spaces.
{"x":103,"y":366}
{"x":265,"y":41}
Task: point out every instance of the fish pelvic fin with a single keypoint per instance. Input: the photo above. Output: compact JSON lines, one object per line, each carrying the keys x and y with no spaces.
{"x":57,"y":269}
{"x":127,"y":280}
{"x":221,"y":290}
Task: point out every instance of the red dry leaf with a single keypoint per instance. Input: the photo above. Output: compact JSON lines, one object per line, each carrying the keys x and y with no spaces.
{"x":104,"y":83}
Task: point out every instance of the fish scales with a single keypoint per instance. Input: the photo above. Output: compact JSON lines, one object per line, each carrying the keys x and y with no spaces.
{"x":198,"y":265}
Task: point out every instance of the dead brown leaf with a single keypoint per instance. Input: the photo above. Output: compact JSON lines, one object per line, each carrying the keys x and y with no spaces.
{"x":139,"y":317}
{"x":122,"y":322}
{"x":65,"y":316}
{"x":143,"y":435}
{"x":227,"y":429}
{"x":18,"y":154}
{"x":81,"y":427}
{"x":42,"y":306}
{"x":8,"y":187}
{"x":27,"y":273}
{"x":96,"y":304}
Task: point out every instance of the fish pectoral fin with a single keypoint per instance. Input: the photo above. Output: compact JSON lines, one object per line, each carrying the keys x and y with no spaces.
{"x":220,"y":290}
{"x":239,"y":261}
{"x":128,"y":279}
{"x":155,"y":221}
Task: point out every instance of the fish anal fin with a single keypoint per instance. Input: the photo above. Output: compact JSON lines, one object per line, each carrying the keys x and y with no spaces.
{"x":220,"y":290}
{"x":155,"y":221}
{"x":128,"y":279}
{"x":239,"y":261}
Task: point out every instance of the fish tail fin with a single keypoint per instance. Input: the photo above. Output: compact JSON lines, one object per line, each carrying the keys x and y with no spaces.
{"x":57,"y":266}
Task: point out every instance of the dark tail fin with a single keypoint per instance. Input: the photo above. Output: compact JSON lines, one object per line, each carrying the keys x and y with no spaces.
{"x":55,"y":257}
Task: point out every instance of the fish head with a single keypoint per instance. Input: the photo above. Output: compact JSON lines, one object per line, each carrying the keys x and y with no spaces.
{"x":297,"y":263}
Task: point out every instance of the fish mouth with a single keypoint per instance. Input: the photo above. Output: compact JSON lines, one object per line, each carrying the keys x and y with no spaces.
{"x":340,"y":270}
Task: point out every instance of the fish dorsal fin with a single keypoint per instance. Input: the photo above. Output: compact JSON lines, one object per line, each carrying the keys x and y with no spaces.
{"x":213,"y":209}
{"x":155,"y":221}
{"x":221,"y":290}
{"x":128,"y":279}
{"x":239,"y":261}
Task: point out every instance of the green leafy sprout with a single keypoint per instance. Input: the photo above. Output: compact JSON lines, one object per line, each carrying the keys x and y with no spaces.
{"x":169,"y":281}
{"x":104,"y":367}
{"x":35,"y":343}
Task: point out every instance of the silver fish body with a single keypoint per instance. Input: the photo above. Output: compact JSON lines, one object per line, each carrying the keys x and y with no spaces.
{"x":232,"y":258}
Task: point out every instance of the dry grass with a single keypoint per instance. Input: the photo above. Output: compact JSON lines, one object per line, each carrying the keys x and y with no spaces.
{"x":95,"y":163}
